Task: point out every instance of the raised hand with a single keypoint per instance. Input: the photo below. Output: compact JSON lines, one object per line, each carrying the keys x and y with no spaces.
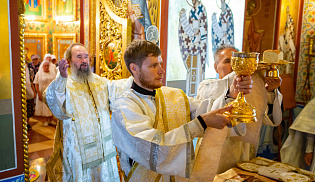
{"x":63,"y":67}
{"x":241,"y":84}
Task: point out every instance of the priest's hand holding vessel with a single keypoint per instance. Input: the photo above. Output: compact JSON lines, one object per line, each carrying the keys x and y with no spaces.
{"x":243,"y":64}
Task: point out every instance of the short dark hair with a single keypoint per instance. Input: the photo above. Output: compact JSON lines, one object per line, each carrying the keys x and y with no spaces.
{"x":220,"y":49}
{"x":138,"y":50}
{"x":68,"y":53}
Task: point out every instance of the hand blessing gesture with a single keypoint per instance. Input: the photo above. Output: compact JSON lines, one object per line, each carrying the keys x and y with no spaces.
{"x":63,"y":66}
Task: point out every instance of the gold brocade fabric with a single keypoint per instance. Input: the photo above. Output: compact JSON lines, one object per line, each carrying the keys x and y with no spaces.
{"x":83,"y":146}
{"x":89,"y":102}
{"x":172,"y":111}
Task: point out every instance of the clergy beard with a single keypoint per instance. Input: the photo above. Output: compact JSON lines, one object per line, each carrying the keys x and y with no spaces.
{"x":147,"y":83}
{"x":81,"y":73}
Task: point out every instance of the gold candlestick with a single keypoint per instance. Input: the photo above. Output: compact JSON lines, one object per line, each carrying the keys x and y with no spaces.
{"x":243,"y":64}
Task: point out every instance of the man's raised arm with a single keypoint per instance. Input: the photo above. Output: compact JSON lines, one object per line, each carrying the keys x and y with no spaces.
{"x":55,"y":94}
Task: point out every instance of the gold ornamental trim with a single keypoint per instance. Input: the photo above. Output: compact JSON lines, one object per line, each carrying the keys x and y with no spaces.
{"x":64,"y":18}
{"x":23,"y":97}
{"x":21,"y":7}
{"x":38,"y":35}
{"x":72,"y":36}
{"x":111,"y":28}
{"x":154,"y":12}
{"x":43,"y":18}
{"x":92,"y":27}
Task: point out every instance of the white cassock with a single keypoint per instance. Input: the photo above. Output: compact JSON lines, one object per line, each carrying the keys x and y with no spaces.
{"x":162,"y":156}
{"x":236,"y":147}
{"x":83,"y":147}
{"x":300,"y":139}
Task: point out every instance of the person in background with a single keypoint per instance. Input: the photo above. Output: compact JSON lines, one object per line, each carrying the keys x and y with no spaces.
{"x":33,"y":66}
{"x":48,"y":57}
{"x":30,"y":95}
{"x":300,"y":143}
{"x":54,"y":60}
{"x":44,"y":77}
{"x":242,"y":146}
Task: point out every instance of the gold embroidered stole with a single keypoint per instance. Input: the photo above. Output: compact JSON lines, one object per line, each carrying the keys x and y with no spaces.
{"x":172,"y":111}
{"x":88,"y":101}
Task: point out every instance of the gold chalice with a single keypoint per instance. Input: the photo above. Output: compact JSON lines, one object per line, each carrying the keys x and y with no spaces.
{"x":243,"y":64}
{"x":271,"y":68}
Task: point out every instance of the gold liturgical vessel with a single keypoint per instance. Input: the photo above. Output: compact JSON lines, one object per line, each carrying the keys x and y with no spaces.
{"x":271,"y":69}
{"x":243,"y":64}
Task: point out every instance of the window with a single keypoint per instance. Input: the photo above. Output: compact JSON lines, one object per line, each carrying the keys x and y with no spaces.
{"x":176,"y":70}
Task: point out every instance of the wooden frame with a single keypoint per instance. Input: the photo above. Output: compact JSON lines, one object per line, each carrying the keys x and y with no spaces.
{"x":59,"y":14}
{"x":12,"y":49}
{"x":163,"y":34}
{"x":65,"y":39}
{"x":36,"y":37}
{"x":38,"y":13}
{"x":312,"y":46}
{"x":281,"y":19}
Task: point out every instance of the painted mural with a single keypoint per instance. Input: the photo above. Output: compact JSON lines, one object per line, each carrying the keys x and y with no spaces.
{"x":145,"y":19}
{"x":36,"y":9}
{"x":305,"y":85}
{"x":50,"y":26}
{"x":287,"y":33}
{"x":258,"y":32}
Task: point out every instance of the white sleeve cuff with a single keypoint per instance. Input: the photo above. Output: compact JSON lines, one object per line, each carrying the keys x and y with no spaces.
{"x":309,"y":143}
{"x":195,"y":128}
{"x":238,"y":130}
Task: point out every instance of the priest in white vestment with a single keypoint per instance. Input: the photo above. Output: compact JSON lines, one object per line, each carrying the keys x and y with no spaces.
{"x":240,"y":146}
{"x":153,"y":126}
{"x":83,"y":147}
{"x":298,"y":149}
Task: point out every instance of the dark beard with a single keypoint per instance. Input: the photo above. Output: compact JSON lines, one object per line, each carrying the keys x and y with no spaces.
{"x":81,"y":73}
{"x":146,"y":83}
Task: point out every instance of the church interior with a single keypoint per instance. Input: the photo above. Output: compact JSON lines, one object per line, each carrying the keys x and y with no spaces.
{"x":188,"y":32}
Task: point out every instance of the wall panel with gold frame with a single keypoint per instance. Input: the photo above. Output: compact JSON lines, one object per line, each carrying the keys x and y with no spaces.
{"x":92,"y":25}
{"x":312,"y":46}
{"x":113,"y":33}
{"x":64,"y":11}
{"x":35,"y":43}
{"x":36,"y":10}
{"x":14,"y":162}
{"x":61,"y":41}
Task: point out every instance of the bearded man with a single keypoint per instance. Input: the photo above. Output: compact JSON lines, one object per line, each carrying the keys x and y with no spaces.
{"x":83,"y":148}
{"x":153,"y":126}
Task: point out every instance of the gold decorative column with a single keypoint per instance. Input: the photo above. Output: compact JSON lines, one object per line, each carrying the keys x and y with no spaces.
{"x":21,"y":11}
{"x":23,"y":91}
{"x":92,"y":27}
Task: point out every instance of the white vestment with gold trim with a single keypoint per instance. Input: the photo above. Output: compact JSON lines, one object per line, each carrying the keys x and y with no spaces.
{"x":83,"y":147}
{"x":162,"y":154}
